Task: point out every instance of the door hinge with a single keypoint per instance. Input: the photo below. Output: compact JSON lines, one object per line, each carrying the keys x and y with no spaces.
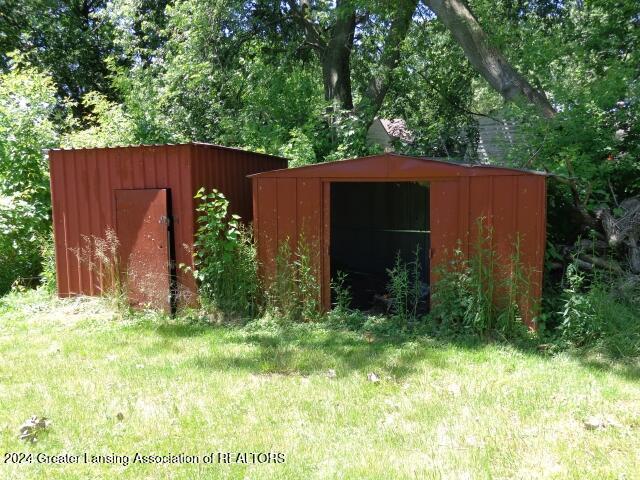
{"x":166,"y":220}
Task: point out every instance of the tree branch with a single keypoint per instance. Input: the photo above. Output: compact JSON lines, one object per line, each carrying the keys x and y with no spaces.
{"x":301,"y":17}
{"x":389,"y":59}
{"x":485,"y":58}
{"x":451,"y":102}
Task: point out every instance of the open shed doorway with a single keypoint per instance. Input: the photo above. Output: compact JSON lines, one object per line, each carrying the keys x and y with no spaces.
{"x":370,"y":223}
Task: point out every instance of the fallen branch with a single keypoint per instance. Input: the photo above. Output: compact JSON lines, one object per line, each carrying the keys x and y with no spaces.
{"x":581,"y":264}
{"x":610,"y":265}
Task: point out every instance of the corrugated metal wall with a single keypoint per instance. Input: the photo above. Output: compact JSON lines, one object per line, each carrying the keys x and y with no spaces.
{"x":83,"y":182}
{"x":512,"y":202}
{"x":82,"y":190}
{"x":285,"y":209}
{"x":226,"y":169}
{"x":510,"y":208}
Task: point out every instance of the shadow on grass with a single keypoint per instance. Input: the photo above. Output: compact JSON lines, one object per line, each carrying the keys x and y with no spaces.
{"x":182,"y":330}
{"x":304,"y":349}
{"x":295,"y":349}
{"x":599,"y":362}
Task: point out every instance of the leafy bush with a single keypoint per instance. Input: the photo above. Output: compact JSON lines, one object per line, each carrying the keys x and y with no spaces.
{"x":20,"y":228}
{"x":107,"y":125}
{"x":48,"y":254}
{"x":27,"y":109}
{"x":593,"y":314}
{"x":299,"y":149}
{"x":578,"y":314}
{"x":225,"y":263}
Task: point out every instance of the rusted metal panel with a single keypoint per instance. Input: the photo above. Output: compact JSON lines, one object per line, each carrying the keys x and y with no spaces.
{"x":142,"y":226}
{"x":183,"y":218}
{"x":84,"y":201}
{"x":308,"y":210}
{"x":75,"y":225}
{"x":226,"y":169}
{"x":56,"y":171}
{"x":92,"y":166}
{"x":287,"y":211}
{"x":445,"y":205}
{"x":480,"y":208}
{"x":509,"y":201}
{"x":266,"y":224}
{"x":464,"y":220}
{"x":503,"y":233}
{"x":325,"y":288}
{"x":309,"y":205}
{"x":83,"y":183}
{"x":531,"y":231}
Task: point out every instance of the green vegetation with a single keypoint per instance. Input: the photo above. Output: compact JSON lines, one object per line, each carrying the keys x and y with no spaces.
{"x":155,"y":385}
{"x":225,"y":263}
{"x":226,"y":269}
{"x":404,"y":287}
{"x":27,"y":125}
{"x":483,"y":294}
{"x":293,"y":291}
{"x":259,"y":75}
{"x":598,"y":315}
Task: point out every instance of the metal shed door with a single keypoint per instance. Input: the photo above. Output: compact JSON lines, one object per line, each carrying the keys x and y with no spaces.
{"x":142,"y":226}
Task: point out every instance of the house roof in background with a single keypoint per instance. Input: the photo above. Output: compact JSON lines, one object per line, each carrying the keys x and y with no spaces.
{"x":397,"y":128}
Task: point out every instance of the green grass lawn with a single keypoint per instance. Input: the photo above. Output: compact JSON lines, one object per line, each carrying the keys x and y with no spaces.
{"x":440,"y":410}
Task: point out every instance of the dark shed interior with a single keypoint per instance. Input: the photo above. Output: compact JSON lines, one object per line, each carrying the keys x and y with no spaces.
{"x":370,"y":223}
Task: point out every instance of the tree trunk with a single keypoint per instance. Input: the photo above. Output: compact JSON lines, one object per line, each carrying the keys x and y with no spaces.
{"x":334,"y":51}
{"x":336,"y":58}
{"x":485,"y":58}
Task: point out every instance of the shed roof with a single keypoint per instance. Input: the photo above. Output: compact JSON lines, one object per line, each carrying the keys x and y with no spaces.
{"x":162,"y":145}
{"x":393,"y":165}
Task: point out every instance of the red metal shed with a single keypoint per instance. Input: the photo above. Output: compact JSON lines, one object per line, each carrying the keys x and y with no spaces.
{"x":145,"y":194}
{"x":356,"y":213}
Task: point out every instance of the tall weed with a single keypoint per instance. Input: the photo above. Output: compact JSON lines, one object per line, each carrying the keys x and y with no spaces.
{"x":293,"y":293}
{"x":405,"y":288}
{"x":480,"y":294}
{"x":593,"y":314}
{"x":48,"y":274}
{"x":341,"y":292}
{"x":101,"y":255}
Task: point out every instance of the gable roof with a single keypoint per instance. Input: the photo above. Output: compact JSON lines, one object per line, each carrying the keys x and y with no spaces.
{"x":393,"y":165}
